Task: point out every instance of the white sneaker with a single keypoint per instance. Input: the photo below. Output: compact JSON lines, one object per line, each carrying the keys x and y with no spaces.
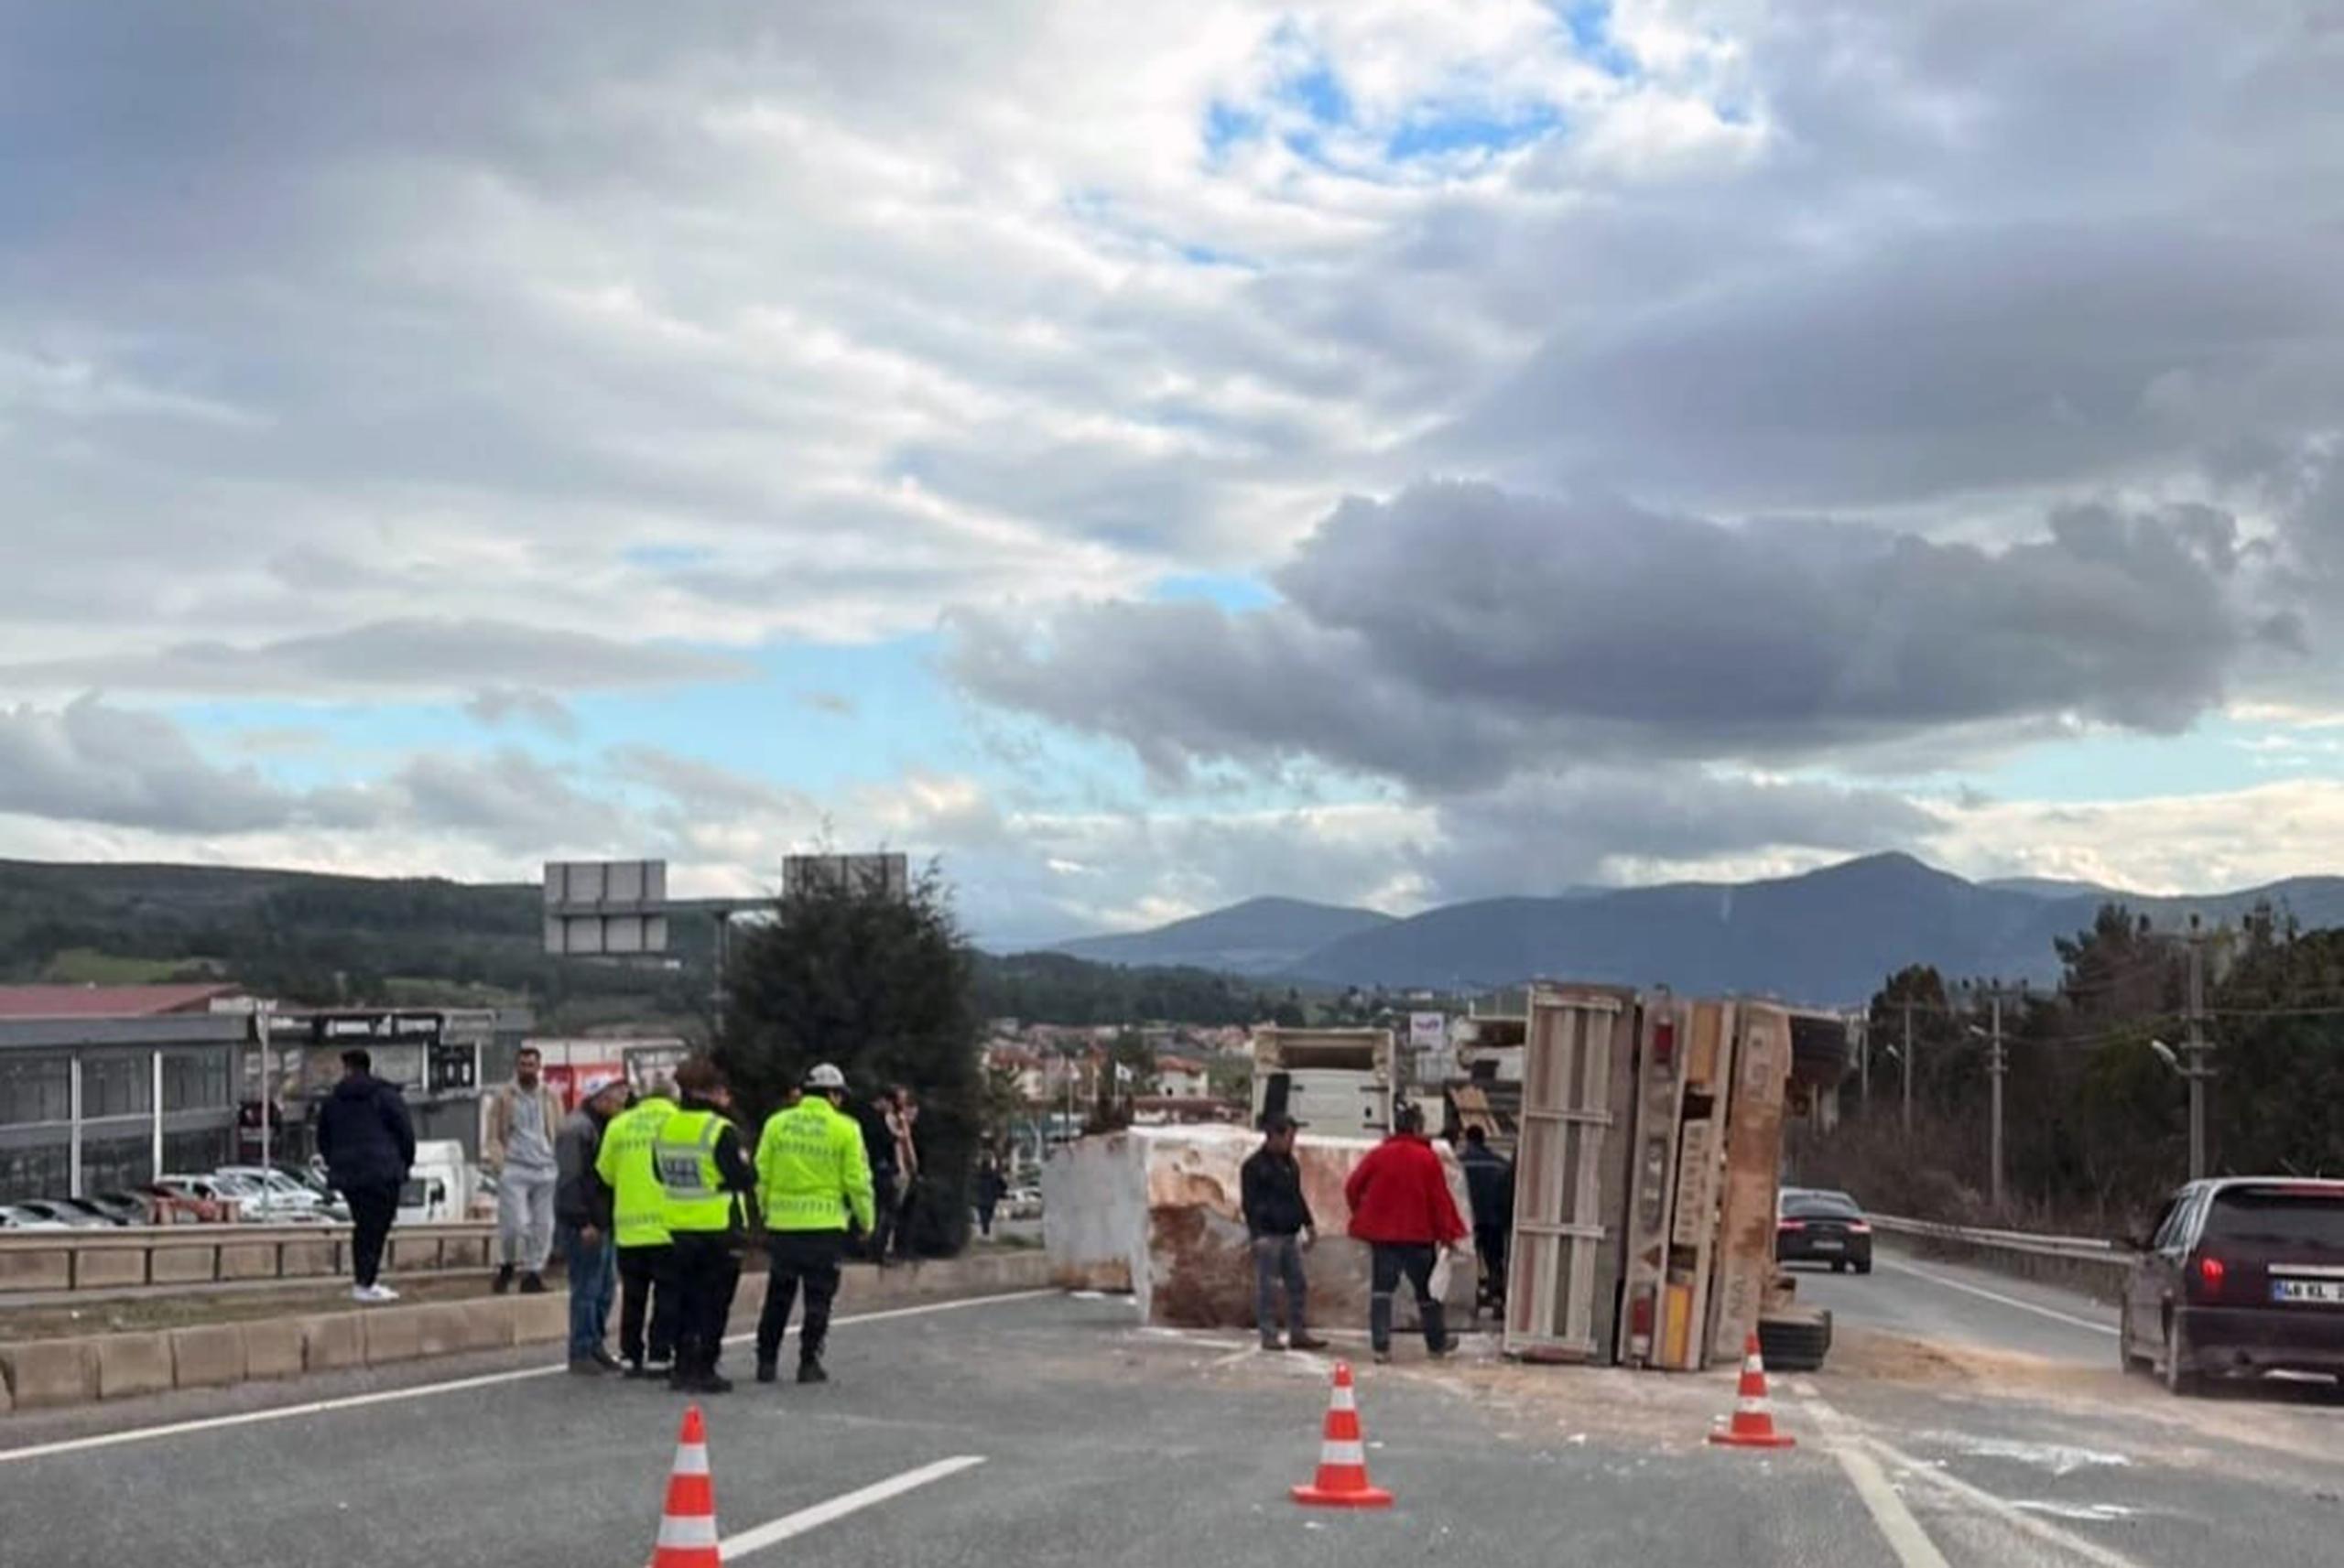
{"x":374,"y":1296}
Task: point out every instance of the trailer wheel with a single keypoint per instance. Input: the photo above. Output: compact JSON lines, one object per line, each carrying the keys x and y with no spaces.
{"x":1795,"y":1344}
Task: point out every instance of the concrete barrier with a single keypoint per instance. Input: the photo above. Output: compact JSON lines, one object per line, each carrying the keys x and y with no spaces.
{"x":131,"y":1364}
{"x":332,"y":1341}
{"x":45,"y":1374}
{"x":392,"y":1334}
{"x":273,"y":1347}
{"x":208,"y":1356}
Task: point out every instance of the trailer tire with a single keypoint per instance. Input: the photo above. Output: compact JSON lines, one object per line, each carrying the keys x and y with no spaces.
{"x":1795,"y":1344}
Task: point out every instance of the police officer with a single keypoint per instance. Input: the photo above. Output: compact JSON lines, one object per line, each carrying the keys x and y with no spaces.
{"x":706,"y":1183}
{"x":812,"y":1178}
{"x":639,"y":1221}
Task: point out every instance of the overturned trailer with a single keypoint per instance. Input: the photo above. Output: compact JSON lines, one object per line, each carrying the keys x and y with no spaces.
{"x":1646,"y":1132}
{"x":1158,"y":1211}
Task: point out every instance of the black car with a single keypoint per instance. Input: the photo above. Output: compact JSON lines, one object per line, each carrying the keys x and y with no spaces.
{"x":2243,"y":1275}
{"x":1813,"y":1226}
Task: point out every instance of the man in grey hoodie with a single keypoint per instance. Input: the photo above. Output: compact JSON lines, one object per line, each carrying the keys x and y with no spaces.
{"x":517,"y":1145}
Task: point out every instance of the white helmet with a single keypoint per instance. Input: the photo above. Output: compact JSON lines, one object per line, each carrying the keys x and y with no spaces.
{"x":825,"y":1077}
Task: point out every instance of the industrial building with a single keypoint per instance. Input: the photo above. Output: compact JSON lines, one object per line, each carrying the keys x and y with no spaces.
{"x":104,"y":1087}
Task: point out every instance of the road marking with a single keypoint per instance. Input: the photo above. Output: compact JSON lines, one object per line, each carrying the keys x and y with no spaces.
{"x":790,"y":1525}
{"x":1905,"y":1538}
{"x":2051,"y":1534}
{"x":425,"y":1391}
{"x":2000,"y":1298}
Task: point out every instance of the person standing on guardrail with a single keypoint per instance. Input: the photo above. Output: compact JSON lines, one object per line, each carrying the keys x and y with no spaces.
{"x":582,"y":1211}
{"x":368,"y":1145}
{"x":708,"y":1184}
{"x":1279,"y":1222}
{"x":639,"y":1217}
{"x":1401,"y":1208}
{"x":517,"y":1147}
{"x":813,"y":1178}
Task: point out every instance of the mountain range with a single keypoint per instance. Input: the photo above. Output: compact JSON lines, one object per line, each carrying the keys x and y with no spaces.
{"x":1828,"y":937}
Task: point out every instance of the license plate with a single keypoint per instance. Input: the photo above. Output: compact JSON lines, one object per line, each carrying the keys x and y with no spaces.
{"x":1824,"y":1246}
{"x":2321,"y":1293}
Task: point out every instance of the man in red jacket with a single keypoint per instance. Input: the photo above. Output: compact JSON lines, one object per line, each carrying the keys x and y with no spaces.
{"x":1401,"y":1207}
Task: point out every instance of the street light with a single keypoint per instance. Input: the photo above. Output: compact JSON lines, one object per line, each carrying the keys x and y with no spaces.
{"x":2166,"y":1054}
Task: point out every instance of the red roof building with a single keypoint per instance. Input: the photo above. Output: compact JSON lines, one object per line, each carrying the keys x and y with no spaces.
{"x":111,"y":1001}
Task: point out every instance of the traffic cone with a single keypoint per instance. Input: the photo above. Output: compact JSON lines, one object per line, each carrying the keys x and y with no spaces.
{"x":1343,"y":1457}
{"x":1753,"y":1415}
{"x":688,"y":1525}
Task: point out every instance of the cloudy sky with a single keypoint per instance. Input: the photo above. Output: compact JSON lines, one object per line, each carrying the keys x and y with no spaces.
{"x":1154,"y":454}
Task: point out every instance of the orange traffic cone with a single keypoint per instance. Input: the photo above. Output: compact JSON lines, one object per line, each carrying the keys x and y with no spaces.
{"x":1753,"y":1415}
{"x":687,"y":1525}
{"x":1343,"y":1457}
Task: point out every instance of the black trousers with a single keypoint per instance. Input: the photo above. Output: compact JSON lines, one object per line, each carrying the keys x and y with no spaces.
{"x":809,"y":1258}
{"x":707,"y":1268}
{"x":648,"y":1291}
{"x":1490,"y":1242}
{"x":372,"y":1209}
{"x":1390,"y":1261}
{"x":887,"y":1204}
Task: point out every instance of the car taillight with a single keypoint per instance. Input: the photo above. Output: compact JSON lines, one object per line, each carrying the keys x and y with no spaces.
{"x":1859,"y":1228}
{"x":1790,"y":1224}
{"x":2211,"y":1274}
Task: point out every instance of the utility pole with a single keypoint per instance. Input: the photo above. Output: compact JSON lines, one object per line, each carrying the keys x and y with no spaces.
{"x":1861,"y":1024}
{"x":1909,"y":1070}
{"x":1998,"y":1067}
{"x":2197,"y":1072}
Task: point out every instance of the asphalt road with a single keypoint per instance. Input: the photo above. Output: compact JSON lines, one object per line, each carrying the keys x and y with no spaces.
{"x":1951,"y":1430}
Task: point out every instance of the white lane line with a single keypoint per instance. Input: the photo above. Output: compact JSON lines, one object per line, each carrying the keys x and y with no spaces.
{"x":2050,"y":1534}
{"x":790,"y":1525}
{"x":1905,"y":1538}
{"x":2000,"y":1298}
{"x":425,"y":1391}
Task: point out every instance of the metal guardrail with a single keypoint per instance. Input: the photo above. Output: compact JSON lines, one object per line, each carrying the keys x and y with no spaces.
{"x":35,"y":1262}
{"x":2081,"y":1247}
{"x":223,"y":1233}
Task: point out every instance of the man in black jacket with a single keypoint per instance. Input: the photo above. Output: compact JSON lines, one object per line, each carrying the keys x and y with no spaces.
{"x":582,"y":1216}
{"x":368,"y":1145}
{"x":1279,"y":1219}
{"x":1489,"y":1185}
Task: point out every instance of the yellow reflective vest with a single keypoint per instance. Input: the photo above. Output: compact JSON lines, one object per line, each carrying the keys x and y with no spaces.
{"x":638,"y":1206}
{"x":691,"y":1183}
{"x":811,"y":1169}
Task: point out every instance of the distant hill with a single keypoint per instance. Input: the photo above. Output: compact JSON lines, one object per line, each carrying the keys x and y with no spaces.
{"x":2054,"y":887}
{"x":1828,"y":937}
{"x":1260,"y":936}
{"x":311,"y":937}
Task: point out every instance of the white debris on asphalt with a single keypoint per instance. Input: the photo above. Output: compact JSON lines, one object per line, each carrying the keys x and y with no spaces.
{"x":2087,"y":1513}
{"x":2058,"y":1458}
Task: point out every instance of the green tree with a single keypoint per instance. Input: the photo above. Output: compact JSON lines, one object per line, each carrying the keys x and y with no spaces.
{"x":880,"y":986}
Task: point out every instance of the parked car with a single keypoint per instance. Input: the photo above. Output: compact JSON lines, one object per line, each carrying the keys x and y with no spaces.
{"x":135,"y":1208}
{"x":17,"y":1216}
{"x":171,"y":1201}
{"x":235,"y":1198}
{"x":64,"y":1212}
{"x":108,"y":1212}
{"x":1813,"y":1226}
{"x":2243,"y":1275}
{"x":1022,"y":1203}
{"x":283,"y":1196}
